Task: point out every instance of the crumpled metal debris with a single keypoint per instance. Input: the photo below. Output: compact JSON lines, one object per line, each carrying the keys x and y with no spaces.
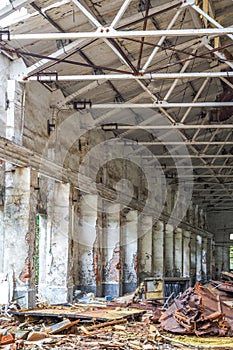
{"x":198,"y":311}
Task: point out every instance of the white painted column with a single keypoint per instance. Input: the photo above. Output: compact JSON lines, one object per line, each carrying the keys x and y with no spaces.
{"x":15,"y":111}
{"x":129,"y":247}
{"x":19,"y":231}
{"x":204,"y":258}
{"x":209,"y":258}
{"x":158,"y":249}
{"x":145,"y":247}
{"x":4,"y":73}
{"x":199,"y":271}
{"x":86,"y":239}
{"x":43,"y":247}
{"x":213,"y":267}
{"x":186,"y":254}
{"x":1,"y":238}
{"x":169,"y":250}
{"x":56,"y":288}
{"x":111,"y":249}
{"x":178,"y":252}
{"x":222,"y":257}
{"x":193,"y":268}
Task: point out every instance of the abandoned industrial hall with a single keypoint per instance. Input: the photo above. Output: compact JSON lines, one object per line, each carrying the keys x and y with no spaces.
{"x":116,"y":149}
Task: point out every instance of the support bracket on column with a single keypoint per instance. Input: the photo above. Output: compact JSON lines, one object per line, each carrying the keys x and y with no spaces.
{"x":5,"y":35}
{"x":48,"y":76}
{"x":82,"y":104}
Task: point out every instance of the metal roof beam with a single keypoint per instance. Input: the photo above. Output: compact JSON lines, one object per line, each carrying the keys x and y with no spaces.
{"x":198,"y":94}
{"x":161,"y":41}
{"x":162,"y":104}
{"x":106,"y":33}
{"x":190,"y":75}
{"x":187,"y":143}
{"x":210,"y":19}
{"x":120,"y":13}
{"x":183,"y":156}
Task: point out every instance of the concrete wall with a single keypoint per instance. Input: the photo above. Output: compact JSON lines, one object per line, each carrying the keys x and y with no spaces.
{"x":4,"y":68}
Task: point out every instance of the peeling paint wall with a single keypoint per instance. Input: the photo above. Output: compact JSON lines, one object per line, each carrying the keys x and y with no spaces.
{"x":4,"y":68}
{"x":111,"y":249}
{"x":56,"y":289}
{"x":178,"y":248}
{"x":193,"y":247}
{"x":186,"y":253}
{"x":19,"y":231}
{"x":145,"y":247}
{"x":129,"y":249}
{"x":169,"y":255}
{"x":158,"y":249}
{"x":37,"y":113}
{"x":85,"y":239}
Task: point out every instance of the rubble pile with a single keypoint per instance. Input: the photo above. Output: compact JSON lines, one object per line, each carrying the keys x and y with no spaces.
{"x":123,"y":324}
{"x":198,"y":311}
{"x":121,"y":334}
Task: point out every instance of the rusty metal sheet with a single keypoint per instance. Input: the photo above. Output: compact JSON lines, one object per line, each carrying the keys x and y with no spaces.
{"x":97,"y":313}
{"x":224,"y":286}
{"x":198,"y":311}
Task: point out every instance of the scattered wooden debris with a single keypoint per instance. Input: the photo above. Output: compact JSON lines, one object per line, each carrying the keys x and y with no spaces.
{"x":197,"y":311}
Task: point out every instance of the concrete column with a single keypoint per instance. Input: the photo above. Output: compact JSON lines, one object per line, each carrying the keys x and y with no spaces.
{"x":186,"y":254}
{"x":193,"y":268}
{"x":15,"y":112}
{"x":222,"y":258}
{"x":129,"y":256}
{"x":199,"y":271}
{"x":213,"y":267}
{"x":209,"y":258}
{"x":56,"y":288}
{"x":158,"y":249}
{"x":1,"y":238}
{"x":86,"y":240}
{"x":111,"y":249}
{"x":145,"y":247}
{"x":204,"y":258}
{"x":19,"y":231}
{"x":178,"y":252}
{"x":169,"y":247}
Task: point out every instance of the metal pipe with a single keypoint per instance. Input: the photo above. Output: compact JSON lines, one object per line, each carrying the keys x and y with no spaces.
{"x":131,"y":76}
{"x":195,"y":99}
{"x":183,"y":156}
{"x":165,"y":127}
{"x":156,"y":49}
{"x":185,"y":143}
{"x":86,"y":13}
{"x":120,"y":12}
{"x":210,"y":19}
{"x":112,"y":33}
{"x":161,"y":104}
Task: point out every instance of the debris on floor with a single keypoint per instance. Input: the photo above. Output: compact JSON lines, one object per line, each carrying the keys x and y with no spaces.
{"x":198,"y":311}
{"x":123,"y":324}
{"x":121,"y":334}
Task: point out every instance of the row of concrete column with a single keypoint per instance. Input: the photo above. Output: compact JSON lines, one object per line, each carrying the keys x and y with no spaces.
{"x":88,"y":243}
